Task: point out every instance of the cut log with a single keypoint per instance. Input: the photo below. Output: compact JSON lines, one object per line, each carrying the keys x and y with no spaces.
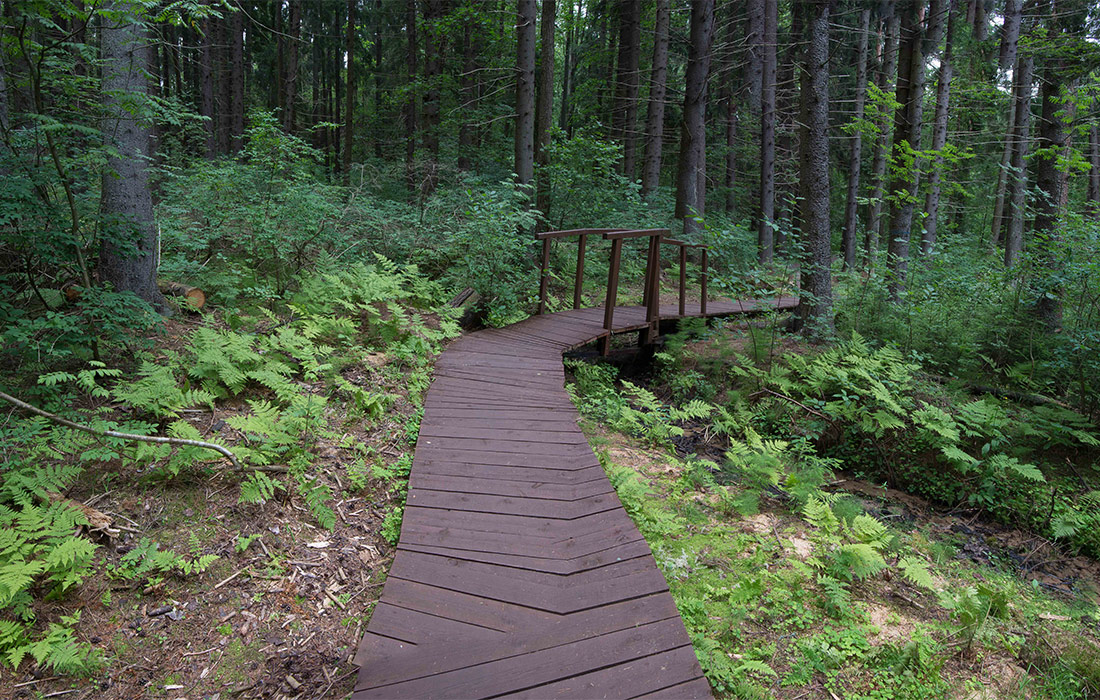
{"x":195,"y":297}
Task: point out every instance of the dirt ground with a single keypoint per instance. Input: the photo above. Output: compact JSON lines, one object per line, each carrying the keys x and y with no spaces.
{"x":279,"y":614}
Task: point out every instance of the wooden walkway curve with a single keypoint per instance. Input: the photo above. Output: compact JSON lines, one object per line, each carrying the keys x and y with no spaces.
{"x":518,"y":573}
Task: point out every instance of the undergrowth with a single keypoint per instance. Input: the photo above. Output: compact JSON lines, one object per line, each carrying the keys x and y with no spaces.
{"x":778,"y":577}
{"x":288,"y":371}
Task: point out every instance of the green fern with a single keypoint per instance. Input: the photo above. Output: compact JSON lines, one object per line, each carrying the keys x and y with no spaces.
{"x":258,"y":488}
{"x":157,"y":391}
{"x":916,"y":572}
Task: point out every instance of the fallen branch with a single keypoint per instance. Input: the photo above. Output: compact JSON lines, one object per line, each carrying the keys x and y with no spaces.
{"x":788,"y":398}
{"x":122,"y":436}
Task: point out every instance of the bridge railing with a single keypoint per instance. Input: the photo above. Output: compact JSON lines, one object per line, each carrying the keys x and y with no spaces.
{"x":651,"y":294}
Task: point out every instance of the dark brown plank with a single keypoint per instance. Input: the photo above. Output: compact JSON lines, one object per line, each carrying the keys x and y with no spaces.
{"x":623,"y":680}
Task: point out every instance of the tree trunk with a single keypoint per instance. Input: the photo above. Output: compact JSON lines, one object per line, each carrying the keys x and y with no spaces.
{"x":337,"y":89}
{"x":625,"y":115}
{"x":655,"y":115}
{"x":410,"y":100}
{"x":294,"y":31}
{"x":816,"y":298}
{"x":1048,"y":288}
{"x":939,"y":140}
{"x":855,"y":156}
{"x":376,"y":67}
{"x":467,"y":90}
{"x":433,"y":70}
{"x":1017,"y":172}
{"x":787,"y":125}
{"x":5,"y":124}
{"x":127,"y":259}
{"x":691,"y":168}
{"x":981,"y":20}
{"x":765,"y":235}
{"x":907,"y":118}
{"x":754,"y":53}
{"x":206,"y":87}
{"x":526,"y":19}
{"x":278,"y":86}
{"x":349,"y":92}
{"x":886,"y":76}
{"x":237,"y":81}
{"x":223,"y":62}
{"x":1092,"y":199}
{"x":568,"y":69}
{"x":544,"y":107}
{"x":730,"y":108}
{"x":1010,"y":33}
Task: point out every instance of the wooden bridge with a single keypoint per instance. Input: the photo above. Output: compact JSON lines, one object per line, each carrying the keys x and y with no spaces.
{"x":518,"y":573}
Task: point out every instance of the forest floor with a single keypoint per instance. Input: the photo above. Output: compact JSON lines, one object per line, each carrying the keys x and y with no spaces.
{"x":745,"y":585}
{"x":280,"y":613}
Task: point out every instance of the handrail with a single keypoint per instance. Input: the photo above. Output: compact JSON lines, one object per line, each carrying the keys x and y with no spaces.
{"x":635,"y":233}
{"x":574,"y":232}
{"x":651,"y":294}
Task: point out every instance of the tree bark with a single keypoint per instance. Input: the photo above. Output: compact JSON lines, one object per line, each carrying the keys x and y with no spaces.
{"x":886,"y":76}
{"x":206,"y":87}
{"x":568,"y":69}
{"x":526,"y":19}
{"x":544,"y":106}
{"x":433,"y":70}
{"x":816,"y":298}
{"x":855,"y":155}
{"x":467,"y":90}
{"x":1010,"y":33}
{"x":1048,"y":288}
{"x":625,"y":115}
{"x":1092,"y":199}
{"x":729,"y":106}
{"x":655,"y":115}
{"x":294,"y":31}
{"x":981,"y":20}
{"x":1017,"y":171}
{"x":349,"y":91}
{"x":939,"y":140}
{"x":754,"y":53}
{"x":691,"y":168}
{"x":223,"y":63}
{"x":236,"y":80}
{"x":765,"y":235}
{"x":907,"y":125}
{"x":127,"y":259}
{"x":376,"y":67}
{"x":410,"y":101}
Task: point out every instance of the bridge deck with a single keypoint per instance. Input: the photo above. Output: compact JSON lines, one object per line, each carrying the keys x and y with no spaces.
{"x":518,"y":573}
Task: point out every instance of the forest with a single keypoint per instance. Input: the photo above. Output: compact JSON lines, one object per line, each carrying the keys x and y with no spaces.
{"x":246,"y":247}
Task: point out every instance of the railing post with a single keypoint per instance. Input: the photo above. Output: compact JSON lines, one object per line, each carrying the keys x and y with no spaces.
{"x":653,"y":295}
{"x":612,"y":294}
{"x":653,"y":311}
{"x":683,"y":279}
{"x":545,"y":276}
{"x":703,"y":298}
{"x":579,"y":283}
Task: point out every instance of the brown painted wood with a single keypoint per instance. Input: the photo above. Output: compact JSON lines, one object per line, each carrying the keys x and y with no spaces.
{"x":517,"y":570}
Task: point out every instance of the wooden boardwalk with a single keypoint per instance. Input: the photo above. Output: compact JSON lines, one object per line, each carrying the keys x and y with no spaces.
{"x":518,"y":573}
